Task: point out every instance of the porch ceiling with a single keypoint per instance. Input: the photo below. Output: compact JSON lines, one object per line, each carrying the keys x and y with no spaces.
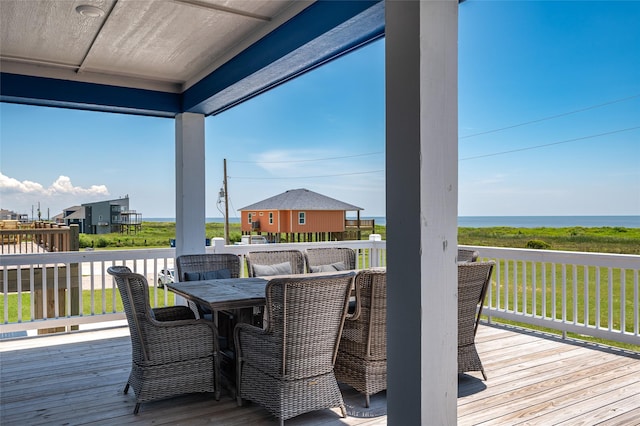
{"x":164,"y":57}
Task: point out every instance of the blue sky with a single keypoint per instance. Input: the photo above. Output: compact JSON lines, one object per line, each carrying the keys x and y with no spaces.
{"x":549,"y":124}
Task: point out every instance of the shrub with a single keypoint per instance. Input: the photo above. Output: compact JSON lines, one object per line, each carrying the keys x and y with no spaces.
{"x":538,"y":245}
{"x":84,"y":241}
{"x":101,"y":242}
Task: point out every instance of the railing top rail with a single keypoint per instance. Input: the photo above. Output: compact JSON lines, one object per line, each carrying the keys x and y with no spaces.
{"x":218,"y":246}
{"x":626,"y":261}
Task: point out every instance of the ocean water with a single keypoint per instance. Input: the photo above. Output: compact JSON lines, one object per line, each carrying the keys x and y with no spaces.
{"x":490,"y":221}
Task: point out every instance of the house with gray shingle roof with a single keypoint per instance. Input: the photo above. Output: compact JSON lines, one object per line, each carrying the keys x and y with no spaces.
{"x":297,"y":211}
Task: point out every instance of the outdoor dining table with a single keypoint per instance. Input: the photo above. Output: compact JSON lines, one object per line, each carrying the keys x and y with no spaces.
{"x":225,"y":294}
{"x":236,"y":295}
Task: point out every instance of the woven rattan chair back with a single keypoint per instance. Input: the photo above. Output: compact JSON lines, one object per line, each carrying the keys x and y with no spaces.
{"x":207,"y":262}
{"x":274,"y":257}
{"x":201,"y":263}
{"x":473,"y":281}
{"x":136,"y":305}
{"x":467,"y":255}
{"x":288,"y":367}
{"x":362,"y":355}
{"x":330,"y":255}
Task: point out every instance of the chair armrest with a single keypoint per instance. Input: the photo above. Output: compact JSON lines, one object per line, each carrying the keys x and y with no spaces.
{"x":258,"y":347}
{"x":173,"y":313}
{"x":179,"y":340}
{"x":358,"y":304}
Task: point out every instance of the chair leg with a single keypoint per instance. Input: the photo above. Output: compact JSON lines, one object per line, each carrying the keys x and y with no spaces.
{"x":484,"y":375}
{"x":135,"y":410}
{"x":126,"y":388}
{"x":366,"y":400}
{"x":343,"y":410}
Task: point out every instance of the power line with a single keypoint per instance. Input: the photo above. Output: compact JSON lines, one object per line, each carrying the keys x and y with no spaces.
{"x":550,"y":117}
{"x":550,"y":144}
{"x":306,"y":177}
{"x":306,"y":161}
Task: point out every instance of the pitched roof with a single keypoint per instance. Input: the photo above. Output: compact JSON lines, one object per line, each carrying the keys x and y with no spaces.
{"x":301,"y":199}
{"x":78,"y":213}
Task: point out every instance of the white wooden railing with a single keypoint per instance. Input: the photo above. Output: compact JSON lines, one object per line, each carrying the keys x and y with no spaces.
{"x":566,"y":291}
{"x":54,"y":280}
{"x":593,"y":294}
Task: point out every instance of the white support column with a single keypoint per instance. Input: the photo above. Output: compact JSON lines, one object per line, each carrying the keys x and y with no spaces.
{"x":190,"y":184}
{"x":422,"y":200}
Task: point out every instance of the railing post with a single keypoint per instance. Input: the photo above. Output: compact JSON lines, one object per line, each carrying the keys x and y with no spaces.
{"x":73,"y":241}
{"x":374,"y":255}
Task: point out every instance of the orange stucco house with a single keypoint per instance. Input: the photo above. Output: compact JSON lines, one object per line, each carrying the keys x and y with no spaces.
{"x":297,"y":214}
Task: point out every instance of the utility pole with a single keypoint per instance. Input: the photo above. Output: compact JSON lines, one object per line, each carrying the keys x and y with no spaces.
{"x":226,"y":204}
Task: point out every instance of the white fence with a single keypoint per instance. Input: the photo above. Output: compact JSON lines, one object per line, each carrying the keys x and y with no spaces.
{"x":593,"y":294}
{"x":47,"y":285}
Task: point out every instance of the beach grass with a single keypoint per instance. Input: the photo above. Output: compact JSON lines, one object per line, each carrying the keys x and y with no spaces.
{"x":593,"y":240}
{"x":585,"y":239}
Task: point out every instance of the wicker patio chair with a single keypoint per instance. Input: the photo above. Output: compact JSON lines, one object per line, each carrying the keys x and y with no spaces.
{"x":193,"y":267}
{"x":265,"y":263}
{"x":467,"y":255}
{"x":473,"y":281}
{"x":330,"y":259}
{"x":288,"y":367}
{"x":172,"y":353}
{"x":362,"y":355}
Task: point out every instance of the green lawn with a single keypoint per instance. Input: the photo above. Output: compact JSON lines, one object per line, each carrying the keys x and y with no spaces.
{"x":86,"y":303}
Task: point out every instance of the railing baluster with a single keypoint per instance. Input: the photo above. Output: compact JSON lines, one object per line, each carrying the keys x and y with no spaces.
{"x":564,"y":292}
{"x":554,"y":301}
{"x":19,"y":285}
{"x":610,"y":309}
{"x":623,"y":276}
{"x":92,"y":292}
{"x":32,"y":292}
{"x":636,"y":304}
{"x":56,"y":297}
{"x":45,"y":311}
{"x":544,"y":290}
{"x":598,"y":310}
{"x":575,"y":293}
{"x":524,"y":288}
{"x":506,"y":285}
{"x":586,"y":295}
{"x":5,"y":281}
{"x":515,"y":286}
{"x":103,"y":286}
{"x":534,"y":290}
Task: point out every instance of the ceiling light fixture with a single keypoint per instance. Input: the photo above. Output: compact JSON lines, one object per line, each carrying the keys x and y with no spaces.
{"x":90,"y":11}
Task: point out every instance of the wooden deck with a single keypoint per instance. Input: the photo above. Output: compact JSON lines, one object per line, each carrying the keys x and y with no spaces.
{"x":77,"y":379}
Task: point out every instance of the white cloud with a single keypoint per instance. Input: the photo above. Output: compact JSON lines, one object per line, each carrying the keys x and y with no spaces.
{"x":62,"y":185}
{"x":8,"y":184}
{"x":22,"y":196}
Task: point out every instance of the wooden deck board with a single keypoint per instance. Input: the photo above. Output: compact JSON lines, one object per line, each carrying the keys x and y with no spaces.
{"x":550,"y":382}
{"x":533,"y":378}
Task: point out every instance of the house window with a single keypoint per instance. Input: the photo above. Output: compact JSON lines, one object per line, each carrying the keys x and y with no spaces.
{"x":270,"y":218}
{"x":261,"y":213}
{"x":250,"y":216}
{"x":301,"y":218}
